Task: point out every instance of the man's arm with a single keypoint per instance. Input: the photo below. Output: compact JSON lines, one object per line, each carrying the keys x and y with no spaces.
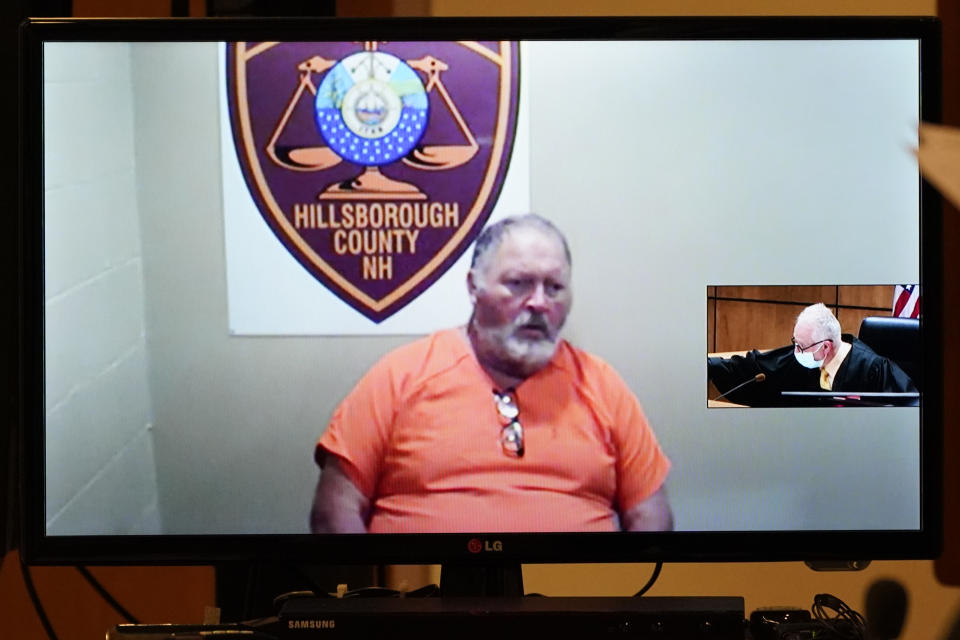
{"x":338,"y":506}
{"x":780,"y":368}
{"x":652,"y":514}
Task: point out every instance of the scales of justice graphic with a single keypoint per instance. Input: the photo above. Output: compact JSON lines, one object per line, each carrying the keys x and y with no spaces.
{"x":372,"y":109}
{"x":375,"y":164}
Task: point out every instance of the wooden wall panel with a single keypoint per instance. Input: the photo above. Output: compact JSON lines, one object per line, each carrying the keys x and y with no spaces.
{"x":121,"y":9}
{"x":368,"y":9}
{"x":761,"y":317}
{"x":680,"y":7}
{"x":876,"y":296}
{"x":800,"y":294}
{"x":850,"y":319}
{"x":711,"y":325}
{"x":754,"y":325}
{"x":76,"y":612}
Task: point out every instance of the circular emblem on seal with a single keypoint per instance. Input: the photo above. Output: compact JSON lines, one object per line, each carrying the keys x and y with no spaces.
{"x":371,"y":108}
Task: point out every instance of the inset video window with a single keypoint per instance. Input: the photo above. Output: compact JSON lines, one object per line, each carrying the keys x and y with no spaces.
{"x":813,"y":345}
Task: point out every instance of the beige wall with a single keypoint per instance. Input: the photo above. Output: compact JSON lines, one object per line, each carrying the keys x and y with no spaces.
{"x":673,"y":7}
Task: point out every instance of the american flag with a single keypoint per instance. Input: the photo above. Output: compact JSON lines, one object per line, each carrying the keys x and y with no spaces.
{"x":906,"y":301}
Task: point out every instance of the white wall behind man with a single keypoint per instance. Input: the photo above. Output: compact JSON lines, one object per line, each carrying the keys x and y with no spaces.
{"x":675,"y":166}
{"x":645,"y":183}
{"x":100,"y":466}
{"x":236,"y":417}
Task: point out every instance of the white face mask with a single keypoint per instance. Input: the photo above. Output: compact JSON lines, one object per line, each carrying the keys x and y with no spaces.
{"x":806,"y":358}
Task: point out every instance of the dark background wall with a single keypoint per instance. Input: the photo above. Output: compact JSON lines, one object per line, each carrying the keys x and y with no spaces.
{"x":178,"y":594}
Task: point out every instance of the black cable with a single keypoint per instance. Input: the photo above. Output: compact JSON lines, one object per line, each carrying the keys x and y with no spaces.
{"x":838,"y":618}
{"x":99,"y":588}
{"x":35,"y":599}
{"x":653,"y":578}
{"x":427,"y":591}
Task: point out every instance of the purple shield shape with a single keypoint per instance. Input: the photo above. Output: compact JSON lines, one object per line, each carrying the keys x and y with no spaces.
{"x":375,"y":164}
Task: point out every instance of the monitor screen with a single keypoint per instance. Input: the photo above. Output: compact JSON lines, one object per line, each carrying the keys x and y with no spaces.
{"x":244,"y":238}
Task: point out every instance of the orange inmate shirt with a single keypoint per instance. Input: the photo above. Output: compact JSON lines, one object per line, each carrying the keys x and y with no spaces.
{"x":420,"y":436}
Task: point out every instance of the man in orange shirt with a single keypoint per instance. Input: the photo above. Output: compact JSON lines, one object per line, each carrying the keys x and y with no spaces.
{"x":496,"y":426}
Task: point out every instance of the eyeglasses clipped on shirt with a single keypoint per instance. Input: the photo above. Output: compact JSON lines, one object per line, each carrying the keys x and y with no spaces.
{"x":511,"y":436}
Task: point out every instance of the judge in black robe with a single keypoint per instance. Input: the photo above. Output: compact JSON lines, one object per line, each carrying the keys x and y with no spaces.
{"x":861,"y":371}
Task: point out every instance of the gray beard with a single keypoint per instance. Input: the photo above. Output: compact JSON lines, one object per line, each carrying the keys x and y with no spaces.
{"x":513,"y":355}
{"x":532,"y":355}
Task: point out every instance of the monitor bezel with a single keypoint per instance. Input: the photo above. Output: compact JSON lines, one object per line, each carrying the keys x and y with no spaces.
{"x":724,"y":546}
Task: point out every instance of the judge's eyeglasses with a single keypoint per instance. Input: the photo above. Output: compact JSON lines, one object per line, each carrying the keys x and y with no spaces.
{"x":802,"y":349}
{"x":511,"y":436}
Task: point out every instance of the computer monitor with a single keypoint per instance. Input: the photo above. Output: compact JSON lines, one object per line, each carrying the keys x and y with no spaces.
{"x":213,"y":254}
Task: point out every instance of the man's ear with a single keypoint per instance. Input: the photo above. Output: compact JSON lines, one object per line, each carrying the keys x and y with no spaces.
{"x":472,"y":287}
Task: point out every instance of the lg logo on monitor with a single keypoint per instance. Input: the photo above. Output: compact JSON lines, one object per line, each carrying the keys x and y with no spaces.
{"x":475,"y":545}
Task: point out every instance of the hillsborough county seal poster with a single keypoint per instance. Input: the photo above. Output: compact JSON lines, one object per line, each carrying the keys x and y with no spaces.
{"x":356,"y":176}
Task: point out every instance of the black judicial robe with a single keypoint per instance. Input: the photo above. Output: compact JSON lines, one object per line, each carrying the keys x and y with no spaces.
{"x":861,"y":370}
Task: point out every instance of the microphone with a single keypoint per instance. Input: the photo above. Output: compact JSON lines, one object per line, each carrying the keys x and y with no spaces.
{"x":760,"y":377}
{"x":886,"y":609}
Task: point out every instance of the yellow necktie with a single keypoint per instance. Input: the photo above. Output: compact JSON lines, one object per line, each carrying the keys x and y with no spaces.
{"x":825,"y":382}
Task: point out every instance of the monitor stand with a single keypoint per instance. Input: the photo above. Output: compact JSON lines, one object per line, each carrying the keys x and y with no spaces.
{"x":247,"y":589}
